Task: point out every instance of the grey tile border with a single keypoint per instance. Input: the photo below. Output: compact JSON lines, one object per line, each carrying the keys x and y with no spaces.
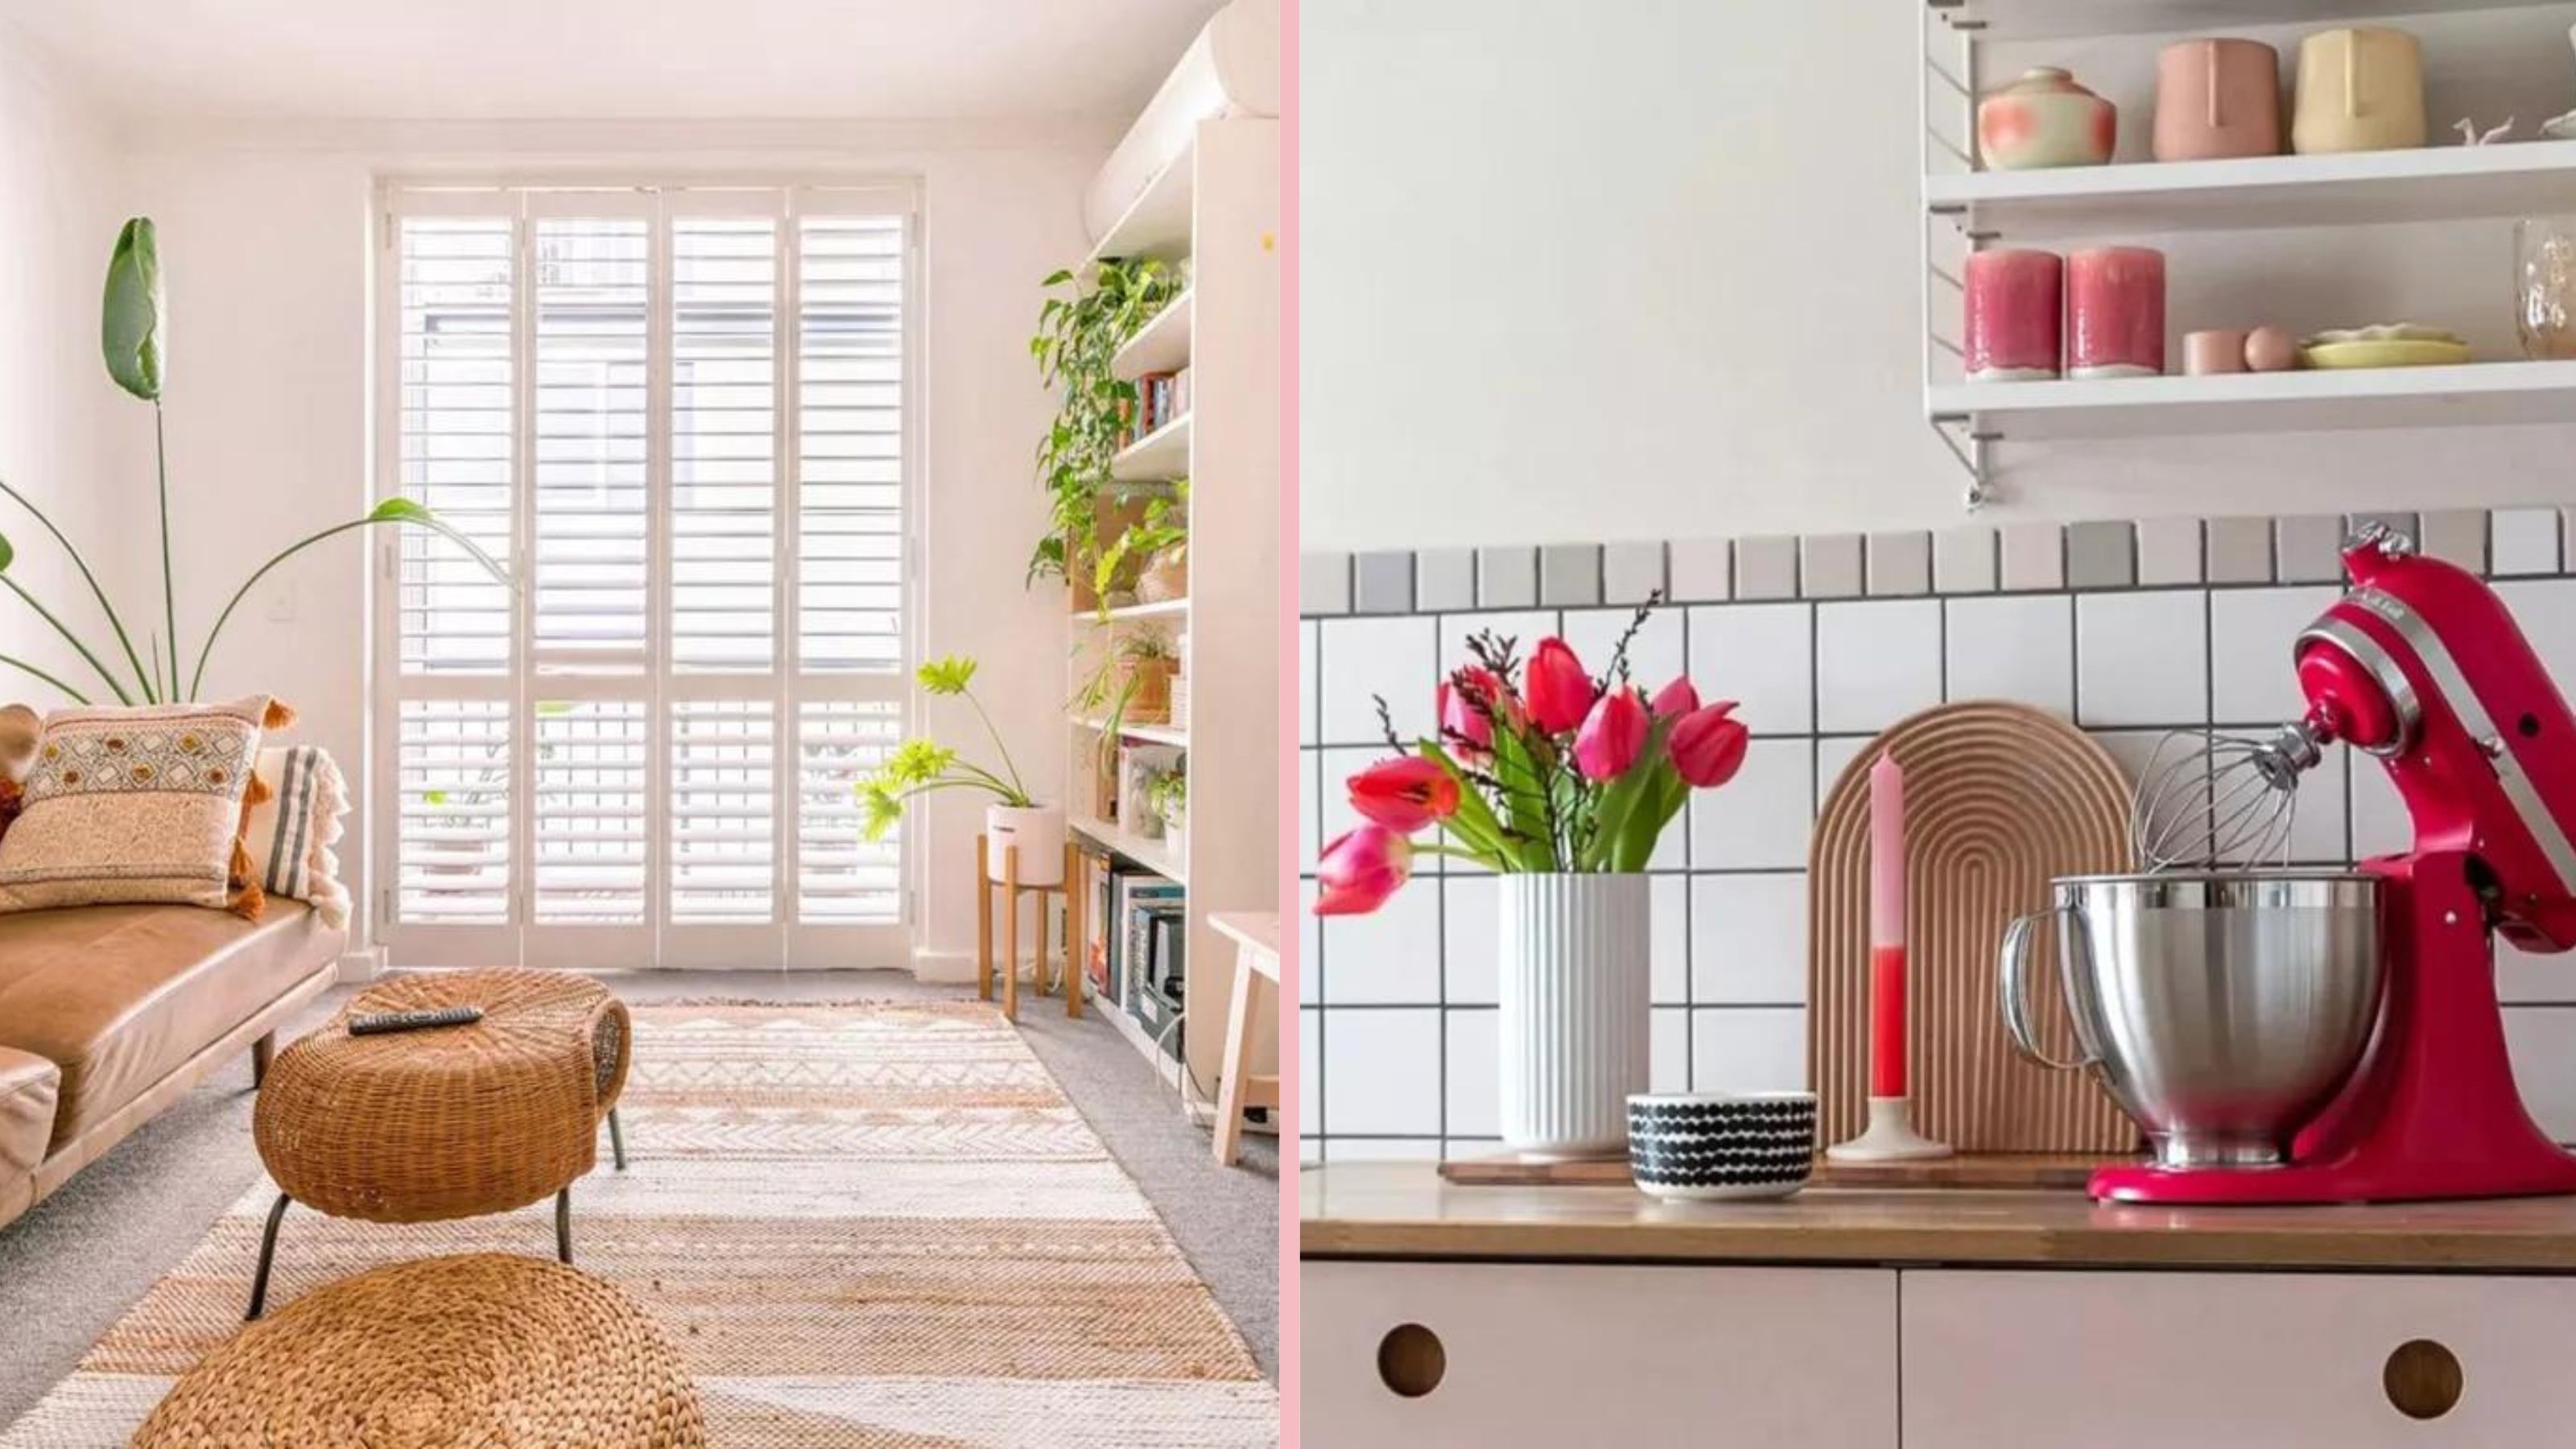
{"x":2458,"y":535}
{"x":1829,"y":566}
{"x":2308,"y":550}
{"x":1382,"y":583}
{"x":1630,"y":572}
{"x":2169,"y":551}
{"x":1703,"y":570}
{"x":2239,"y":550}
{"x":1323,"y":584}
{"x":1444,"y":580}
{"x":1766,"y":568}
{"x":2034,"y":557}
{"x":1506,"y":578}
{"x":2523,"y":541}
{"x":1963,"y":560}
{"x":1569,"y":575}
{"x":2101,"y":555}
{"x":1899,"y":564}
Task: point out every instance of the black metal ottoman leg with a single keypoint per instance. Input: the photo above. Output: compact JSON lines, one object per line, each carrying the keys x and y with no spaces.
{"x":563,"y":1224}
{"x":267,"y":1257}
{"x":617,"y":1139}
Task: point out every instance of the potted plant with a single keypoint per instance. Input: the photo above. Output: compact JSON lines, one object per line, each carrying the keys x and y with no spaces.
{"x":1078,"y":335}
{"x":1171,"y":799}
{"x":921,"y":765}
{"x":1151,"y":554}
{"x":1562,"y":781}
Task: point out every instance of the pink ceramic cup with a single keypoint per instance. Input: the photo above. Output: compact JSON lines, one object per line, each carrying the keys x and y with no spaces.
{"x":2014,"y":304}
{"x":2217,"y":350}
{"x":2115,"y":312}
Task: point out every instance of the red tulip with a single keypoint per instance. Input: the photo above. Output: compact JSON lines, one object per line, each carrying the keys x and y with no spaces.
{"x":1360,"y":869}
{"x":1707,"y":747}
{"x":1676,"y":699}
{"x":1405,"y":793}
{"x":1465,"y":726}
{"x":1613,"y":736}
{"x":1560,"y":693}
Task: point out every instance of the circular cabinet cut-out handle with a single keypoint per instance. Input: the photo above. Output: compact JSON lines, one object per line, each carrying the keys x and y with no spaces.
{"x":1410,"y":1360}
{"x":2423,"y":1379}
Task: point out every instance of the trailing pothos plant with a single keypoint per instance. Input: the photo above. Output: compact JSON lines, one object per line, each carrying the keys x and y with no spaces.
{"x":131,"y":334}
{"x":1164,"y":527}
{"x":1078,"y":333}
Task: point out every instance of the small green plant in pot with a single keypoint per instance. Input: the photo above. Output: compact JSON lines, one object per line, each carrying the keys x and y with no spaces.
{"x":922,"y":766}
{"x":1170,"y":797}
{"x":1150,"y":556}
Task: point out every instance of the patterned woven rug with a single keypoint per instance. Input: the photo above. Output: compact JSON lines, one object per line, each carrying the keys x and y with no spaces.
{"x":863,"y":1225}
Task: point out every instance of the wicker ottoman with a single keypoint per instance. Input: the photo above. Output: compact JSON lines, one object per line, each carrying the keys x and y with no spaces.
{"x":452,"y":1122}
{"x":483,"y":1350}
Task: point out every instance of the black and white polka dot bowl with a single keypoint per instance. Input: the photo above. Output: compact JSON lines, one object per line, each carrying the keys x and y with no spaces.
{"x":1703,"y":1145}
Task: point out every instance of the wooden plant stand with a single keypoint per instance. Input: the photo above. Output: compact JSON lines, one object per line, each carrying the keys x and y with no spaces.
{"x":1011,"y":893}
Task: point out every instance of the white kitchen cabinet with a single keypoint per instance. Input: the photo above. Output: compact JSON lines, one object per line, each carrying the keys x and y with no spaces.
{"x":2000,"y":1360}
{"x":1779,"y":1358}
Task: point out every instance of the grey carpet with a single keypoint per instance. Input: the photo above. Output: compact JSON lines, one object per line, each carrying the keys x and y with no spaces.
{"x":73,"y":1266}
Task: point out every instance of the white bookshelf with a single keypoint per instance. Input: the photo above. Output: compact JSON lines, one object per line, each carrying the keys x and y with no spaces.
{"x":1216,"y":206}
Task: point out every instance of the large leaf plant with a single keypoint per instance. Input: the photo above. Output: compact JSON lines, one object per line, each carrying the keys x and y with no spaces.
{"x":132,"y":334}
{"x":1079,"y":331}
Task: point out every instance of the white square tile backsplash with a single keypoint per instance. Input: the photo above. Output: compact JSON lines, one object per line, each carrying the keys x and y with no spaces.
{"x":1400,"y":1053}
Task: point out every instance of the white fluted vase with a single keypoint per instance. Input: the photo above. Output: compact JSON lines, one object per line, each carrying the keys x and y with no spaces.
{"x":1576,"y":1023}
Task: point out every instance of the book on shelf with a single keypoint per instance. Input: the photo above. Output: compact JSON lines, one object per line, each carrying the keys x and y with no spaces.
{"x":1133,"y":895}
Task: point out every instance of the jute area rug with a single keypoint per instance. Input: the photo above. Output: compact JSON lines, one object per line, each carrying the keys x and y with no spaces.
{"x":877,"y":1225}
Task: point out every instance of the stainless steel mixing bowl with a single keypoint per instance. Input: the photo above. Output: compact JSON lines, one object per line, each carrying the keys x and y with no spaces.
{"x":2223,"y":1009}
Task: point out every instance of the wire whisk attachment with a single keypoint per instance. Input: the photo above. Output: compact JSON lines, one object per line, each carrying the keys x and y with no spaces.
{"x":2212,"y":799}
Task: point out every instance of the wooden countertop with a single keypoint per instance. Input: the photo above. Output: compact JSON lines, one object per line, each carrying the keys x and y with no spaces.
{"x":1405,"y":1210}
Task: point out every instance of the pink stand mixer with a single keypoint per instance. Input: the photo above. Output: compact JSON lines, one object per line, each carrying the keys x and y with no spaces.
{"x":2421,"y":666}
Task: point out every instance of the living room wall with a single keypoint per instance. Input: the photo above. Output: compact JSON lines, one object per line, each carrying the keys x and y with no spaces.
{"x":266,"y":238}
{"x":59,"y":167}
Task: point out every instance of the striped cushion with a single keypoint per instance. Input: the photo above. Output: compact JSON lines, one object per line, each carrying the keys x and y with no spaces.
{"x":290,"y":835}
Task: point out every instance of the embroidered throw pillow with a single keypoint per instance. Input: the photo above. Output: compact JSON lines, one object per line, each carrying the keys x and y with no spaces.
{"x":134,"y":805}
{"x":294,"y":821}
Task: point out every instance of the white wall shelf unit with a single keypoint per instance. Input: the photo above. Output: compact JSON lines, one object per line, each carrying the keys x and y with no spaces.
{"x":2055,"y":19}
{"x":1217,"y":206}
{"x":1966,"y":208}
{"x":2434,"y":183}
{"x":1163,"y":345}
{"x":1159,"y":456}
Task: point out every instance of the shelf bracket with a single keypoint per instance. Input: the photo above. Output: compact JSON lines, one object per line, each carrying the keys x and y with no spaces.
{"x":1967,"y":443}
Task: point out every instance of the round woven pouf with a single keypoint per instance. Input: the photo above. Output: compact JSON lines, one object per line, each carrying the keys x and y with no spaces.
{"x":451,"y":1122}
{"x":487,"y":1350}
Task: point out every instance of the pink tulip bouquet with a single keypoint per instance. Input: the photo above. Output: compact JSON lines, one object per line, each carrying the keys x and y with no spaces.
{"x":1539,"y":767}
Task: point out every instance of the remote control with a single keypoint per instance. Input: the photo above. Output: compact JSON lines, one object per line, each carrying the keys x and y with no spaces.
{"x":385,"y":1021}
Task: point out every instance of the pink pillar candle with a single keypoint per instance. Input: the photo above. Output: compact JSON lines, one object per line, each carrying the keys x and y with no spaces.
{"x":2115,"y":312}
{"x":1886,"y":927}
{"x":2015,"y":299}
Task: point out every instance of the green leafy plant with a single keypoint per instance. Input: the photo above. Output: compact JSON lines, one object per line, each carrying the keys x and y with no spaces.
{"x":132,"y":327}
{"x":1169,"y":794}
{"x":920,"y":766}
{"x":1164,"y":526}
{"x":1079,"y":331}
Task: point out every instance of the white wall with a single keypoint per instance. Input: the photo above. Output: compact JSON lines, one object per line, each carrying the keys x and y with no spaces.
{"x":1580,"y":270}
{"x":265,"y":240}
{"x":58,"y":220}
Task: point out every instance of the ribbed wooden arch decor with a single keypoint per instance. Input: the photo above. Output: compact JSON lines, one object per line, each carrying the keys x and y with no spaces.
{"x":1999,"y":798}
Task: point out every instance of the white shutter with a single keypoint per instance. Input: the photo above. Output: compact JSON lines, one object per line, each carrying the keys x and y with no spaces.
{"x":842,"y":877}
{"x":850,"y":358}
{"x":451,"y":800}
{"x":455,"y":431}
{"x":724,"y":815}
{"x":724,"y":422}
{"x":592,"y":282}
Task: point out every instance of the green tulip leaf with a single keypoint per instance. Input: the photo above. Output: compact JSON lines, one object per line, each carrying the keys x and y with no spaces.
{"x":131,"y":324}
{"x":8,"y":553}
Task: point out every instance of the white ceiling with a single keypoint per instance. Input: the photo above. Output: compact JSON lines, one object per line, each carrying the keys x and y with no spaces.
{"x":616,"y":59}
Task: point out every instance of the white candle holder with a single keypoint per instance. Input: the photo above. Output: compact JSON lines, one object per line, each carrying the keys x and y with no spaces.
{"x":1890,"y":1137}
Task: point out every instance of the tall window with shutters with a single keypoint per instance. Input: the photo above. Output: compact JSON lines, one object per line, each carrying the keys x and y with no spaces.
{"x":683,"y":418}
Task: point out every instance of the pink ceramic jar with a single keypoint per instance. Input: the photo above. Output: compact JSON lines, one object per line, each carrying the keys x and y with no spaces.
{"x":2217,"y":98}
{"x":2015,"y":300}
{"x":2045,"y":119}
{"x":2115,"y":312}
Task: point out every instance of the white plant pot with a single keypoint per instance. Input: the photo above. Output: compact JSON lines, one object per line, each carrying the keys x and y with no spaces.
{"x":1576,"y":1023}
{"x":1038,"y":832}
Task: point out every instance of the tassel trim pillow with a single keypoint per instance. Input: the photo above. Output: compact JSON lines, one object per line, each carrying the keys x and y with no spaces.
{"x":137,"y":805}
{"x":297,"y":800}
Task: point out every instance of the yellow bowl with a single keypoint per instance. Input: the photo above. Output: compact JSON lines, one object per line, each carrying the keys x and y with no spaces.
{"x":2396,"y":352}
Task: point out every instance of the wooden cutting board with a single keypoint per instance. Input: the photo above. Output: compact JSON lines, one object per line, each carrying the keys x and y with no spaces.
{"x":1999,"y":798}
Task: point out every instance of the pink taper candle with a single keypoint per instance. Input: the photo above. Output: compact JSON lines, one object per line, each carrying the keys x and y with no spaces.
{"x":1886,"y":928}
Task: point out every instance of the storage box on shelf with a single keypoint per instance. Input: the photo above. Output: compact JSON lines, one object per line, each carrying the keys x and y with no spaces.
{"x":1968,"y":209}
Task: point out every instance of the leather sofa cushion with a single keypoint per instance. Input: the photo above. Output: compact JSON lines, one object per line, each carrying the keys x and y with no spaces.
{"x":117,"y":996}
{"x":28,"y":1086}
